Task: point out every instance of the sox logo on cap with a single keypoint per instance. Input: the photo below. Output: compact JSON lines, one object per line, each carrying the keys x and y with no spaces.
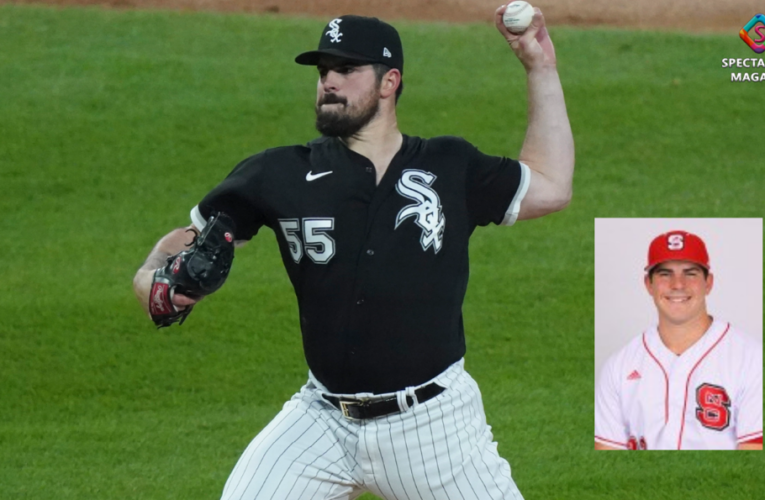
{"x":334,"y":30}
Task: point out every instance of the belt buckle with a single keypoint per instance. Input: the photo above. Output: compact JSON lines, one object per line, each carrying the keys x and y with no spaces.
{"x":344,"y":409}
{"x":344,"y":405}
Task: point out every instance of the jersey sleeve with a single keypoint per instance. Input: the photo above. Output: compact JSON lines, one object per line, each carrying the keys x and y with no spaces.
{"x":749,"y":415}
{"x":610,"y":429}
{"x":238,"y":196}
{"x":495,"y":188}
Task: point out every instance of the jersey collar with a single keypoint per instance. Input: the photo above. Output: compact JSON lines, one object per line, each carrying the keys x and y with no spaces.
{"x":712,"y":335}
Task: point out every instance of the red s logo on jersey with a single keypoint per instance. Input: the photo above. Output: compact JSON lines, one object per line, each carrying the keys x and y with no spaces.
{"x":714,"y":407}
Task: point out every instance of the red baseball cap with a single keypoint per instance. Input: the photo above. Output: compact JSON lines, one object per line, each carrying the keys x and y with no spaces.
{"x":677,"y":245}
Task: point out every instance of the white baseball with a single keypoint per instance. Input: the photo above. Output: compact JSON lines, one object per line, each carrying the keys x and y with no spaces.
{"x":517,"y":17}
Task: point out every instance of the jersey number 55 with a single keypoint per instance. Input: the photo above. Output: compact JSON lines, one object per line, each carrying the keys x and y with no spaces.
{"x":319,"y":246}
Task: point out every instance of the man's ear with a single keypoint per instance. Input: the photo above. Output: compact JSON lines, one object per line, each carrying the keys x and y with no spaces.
{"x":710,"y":282}
{"x":390,"y":82}
{"x":647,"y":282}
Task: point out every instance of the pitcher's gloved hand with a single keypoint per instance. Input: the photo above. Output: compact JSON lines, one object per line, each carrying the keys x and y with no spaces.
{"x":196,"y":272}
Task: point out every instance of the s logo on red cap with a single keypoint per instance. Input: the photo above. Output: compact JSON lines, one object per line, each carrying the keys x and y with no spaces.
{"x":677,"y":245}
{"x":675,"y":242}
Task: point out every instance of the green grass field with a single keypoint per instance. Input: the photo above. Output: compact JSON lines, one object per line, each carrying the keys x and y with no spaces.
{"x":113,"y":124}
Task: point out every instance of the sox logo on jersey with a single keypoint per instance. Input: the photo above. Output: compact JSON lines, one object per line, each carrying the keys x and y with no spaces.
{"x":416,"y":185}
{"x":709,"y":397}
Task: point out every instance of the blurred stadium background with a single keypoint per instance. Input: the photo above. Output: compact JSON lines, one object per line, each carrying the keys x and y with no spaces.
{"x":689,"y":15}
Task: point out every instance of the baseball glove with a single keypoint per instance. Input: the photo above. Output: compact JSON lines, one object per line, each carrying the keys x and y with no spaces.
{"x":196,"y":272}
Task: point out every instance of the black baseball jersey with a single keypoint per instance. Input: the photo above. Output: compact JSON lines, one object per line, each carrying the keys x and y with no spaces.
{"x":380,"y":271}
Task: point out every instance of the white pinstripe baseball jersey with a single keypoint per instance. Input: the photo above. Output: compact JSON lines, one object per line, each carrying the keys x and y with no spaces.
{"x":440,"y":449}
{"x":709,"y":397}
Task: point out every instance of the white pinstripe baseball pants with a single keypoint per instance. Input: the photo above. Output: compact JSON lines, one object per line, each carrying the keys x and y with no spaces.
{"x":441,"y":449}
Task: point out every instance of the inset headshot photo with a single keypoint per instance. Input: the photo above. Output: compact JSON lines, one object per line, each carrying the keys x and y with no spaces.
{"x":678,"y":334}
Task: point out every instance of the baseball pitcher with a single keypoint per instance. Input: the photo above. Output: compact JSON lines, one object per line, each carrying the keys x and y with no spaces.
{"x":373,"y":229}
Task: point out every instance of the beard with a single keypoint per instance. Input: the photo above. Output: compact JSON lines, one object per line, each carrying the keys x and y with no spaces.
{"x":347,"y":120}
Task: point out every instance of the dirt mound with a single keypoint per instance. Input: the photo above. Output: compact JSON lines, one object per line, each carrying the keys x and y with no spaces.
{"x":688,"y":15}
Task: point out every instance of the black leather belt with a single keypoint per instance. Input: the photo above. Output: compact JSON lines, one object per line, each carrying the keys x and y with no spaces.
{"x":359,"y":409}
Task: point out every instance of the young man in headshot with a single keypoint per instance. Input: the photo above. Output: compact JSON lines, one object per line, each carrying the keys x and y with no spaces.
{"x":692,"y":382}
